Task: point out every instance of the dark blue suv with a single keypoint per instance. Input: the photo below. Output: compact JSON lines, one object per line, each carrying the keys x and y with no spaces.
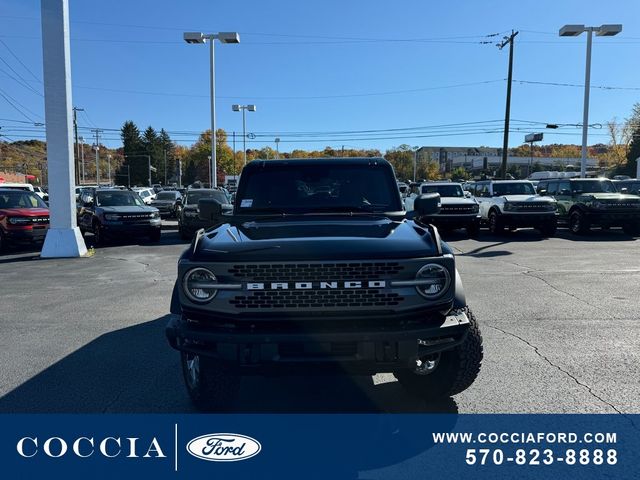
{"x":117,"y":213}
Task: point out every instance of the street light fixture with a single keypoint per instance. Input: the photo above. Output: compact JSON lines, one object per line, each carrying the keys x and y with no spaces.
{"x":222,"y":37}
{"x":237,"y":108}
{"x":608,"y":30}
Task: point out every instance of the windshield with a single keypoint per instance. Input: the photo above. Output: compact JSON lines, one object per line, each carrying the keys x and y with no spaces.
{"x":593,"y":186}
{"x":118,"y":199}
{"x":631,"y":186}
{"x":444,"y":190}
{"x":19,"y":199}
{"x":519,"y":188}
{"x":319,"y":188}
{"x":193,"y":197}
{"x":166,"y":196}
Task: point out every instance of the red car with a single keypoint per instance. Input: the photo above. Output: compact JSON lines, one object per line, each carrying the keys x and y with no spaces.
{"x":24,"y":217}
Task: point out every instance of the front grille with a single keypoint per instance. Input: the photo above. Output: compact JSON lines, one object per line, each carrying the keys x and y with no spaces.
{"x":620,"y":205}
{"x":134,"y":217}
{"x":310,"y":272}
{"x":458,"y":209}
{"x":530,"y":206}
{"x":274,"y":299}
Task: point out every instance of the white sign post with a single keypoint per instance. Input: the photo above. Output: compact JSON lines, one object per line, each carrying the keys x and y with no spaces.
{"x":63,"y":237}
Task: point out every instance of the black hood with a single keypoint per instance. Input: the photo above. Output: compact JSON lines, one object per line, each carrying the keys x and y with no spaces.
{"x":321,"y":239}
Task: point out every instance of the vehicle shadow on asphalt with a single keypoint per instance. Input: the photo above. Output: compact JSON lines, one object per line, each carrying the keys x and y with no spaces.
{"x":133,"y":370}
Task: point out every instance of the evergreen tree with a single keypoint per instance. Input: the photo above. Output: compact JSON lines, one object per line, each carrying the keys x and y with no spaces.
{"x":134,"y":164}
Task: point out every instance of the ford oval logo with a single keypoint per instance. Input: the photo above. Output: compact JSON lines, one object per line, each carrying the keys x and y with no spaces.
{"x":224,"y":447}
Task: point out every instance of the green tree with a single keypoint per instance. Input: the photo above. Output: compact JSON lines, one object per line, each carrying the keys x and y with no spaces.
{"x":132,"y":148}
{"x":460,"y":174}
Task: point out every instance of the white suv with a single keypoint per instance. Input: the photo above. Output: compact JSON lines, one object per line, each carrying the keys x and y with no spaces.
{"x":148,"y":195}
{"x":512,"y":204}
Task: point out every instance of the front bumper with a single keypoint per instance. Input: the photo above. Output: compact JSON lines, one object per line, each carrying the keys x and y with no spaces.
{"x":455,"y":220}
{"x":515,"y":219}
{"x":383,"y":347}
{"x":26,"y":234}
{"x":118,"y":228}
{"x":612,"y":219}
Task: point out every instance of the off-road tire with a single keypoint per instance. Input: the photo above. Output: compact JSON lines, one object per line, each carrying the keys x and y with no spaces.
{"x":548,"y":229}
{"x":632,"y":229}
{"x":98,"y":234}
{"x":496,"y":227}
{"x":473,"y":230}
{"x":457,"y":370}
{"x":578,"y":224}
{"x":155,"y":235}
{"x":214,"y":388}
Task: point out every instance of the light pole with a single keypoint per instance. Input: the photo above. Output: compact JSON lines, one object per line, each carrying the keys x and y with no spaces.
{"x":109,"y":164}
{"x":415,"y":162}
{"x":237,"y":108}
{"x":277,"y":149}
{"x":574,"y":31}
{"x":223,"y":37}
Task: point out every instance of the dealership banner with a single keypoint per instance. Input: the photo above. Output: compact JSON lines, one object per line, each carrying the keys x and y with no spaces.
{"x":320,"y":446}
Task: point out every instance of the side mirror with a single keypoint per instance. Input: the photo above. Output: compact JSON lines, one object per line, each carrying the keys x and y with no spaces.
{"x":542,"y":192}
{"x":210,"y":210}
{"x":624,"y":190}
{"x":467,"y":194}
{"x":565,"y":191}
{"x":427,"y":204}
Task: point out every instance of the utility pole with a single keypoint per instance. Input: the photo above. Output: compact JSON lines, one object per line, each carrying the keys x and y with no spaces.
{"x":109,"y":160}
{"x":277,"y":148}
{"x":165,"y":166}
{"x":97,"y":132}
{"x":82,"y":157}
{"x":507,"y":114}
{"x":75,"y":128}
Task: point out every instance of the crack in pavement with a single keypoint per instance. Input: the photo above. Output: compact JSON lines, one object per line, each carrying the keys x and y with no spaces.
{"x":530,"y":273}
{"x":572,"y":377}
{"x":147,"y":267}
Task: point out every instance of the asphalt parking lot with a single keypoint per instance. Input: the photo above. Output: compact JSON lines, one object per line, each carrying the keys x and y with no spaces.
{"x":559,"y":319}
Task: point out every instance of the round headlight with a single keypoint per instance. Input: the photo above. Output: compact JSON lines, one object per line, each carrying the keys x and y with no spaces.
{"x":436,"y":281}
{"x":197,"y":285}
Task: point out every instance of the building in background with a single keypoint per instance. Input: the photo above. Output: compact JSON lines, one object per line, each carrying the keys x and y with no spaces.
{"x":443,"y":156}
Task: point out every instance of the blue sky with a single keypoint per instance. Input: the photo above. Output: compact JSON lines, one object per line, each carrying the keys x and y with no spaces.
{"x":426,"y":58}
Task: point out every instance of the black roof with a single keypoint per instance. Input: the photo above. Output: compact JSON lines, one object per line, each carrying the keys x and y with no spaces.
{"x":316,"y":161}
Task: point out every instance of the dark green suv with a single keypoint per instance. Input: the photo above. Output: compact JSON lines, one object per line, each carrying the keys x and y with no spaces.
{"x":587,"y":202}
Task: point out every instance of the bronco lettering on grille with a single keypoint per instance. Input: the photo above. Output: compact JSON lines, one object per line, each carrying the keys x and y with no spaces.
{"x":316,"y":285}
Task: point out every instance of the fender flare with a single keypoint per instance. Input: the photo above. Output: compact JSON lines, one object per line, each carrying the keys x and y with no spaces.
{"x":459,"y":299}
{"x":175,"y":300}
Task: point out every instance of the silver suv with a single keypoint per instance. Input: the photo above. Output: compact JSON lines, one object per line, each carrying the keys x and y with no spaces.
{"x":513,"y":204}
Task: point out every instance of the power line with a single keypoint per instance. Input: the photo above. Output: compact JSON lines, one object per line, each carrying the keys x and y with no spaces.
{"x":20,"y":61}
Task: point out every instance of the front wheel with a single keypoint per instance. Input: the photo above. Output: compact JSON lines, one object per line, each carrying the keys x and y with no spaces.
{"x":448,"y":373}
{"x":632,"y":229}
{"x":495,"y":223}
{"x":211,"y":385}
{"x":98,"y":234}
{"x":473,"y":229}
{"x":155,"y":235}
{"x":578,"y":224}
{"x":548,"y":229}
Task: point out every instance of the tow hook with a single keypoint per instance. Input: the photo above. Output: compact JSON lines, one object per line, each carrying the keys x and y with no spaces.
{"x":427,"y":364}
